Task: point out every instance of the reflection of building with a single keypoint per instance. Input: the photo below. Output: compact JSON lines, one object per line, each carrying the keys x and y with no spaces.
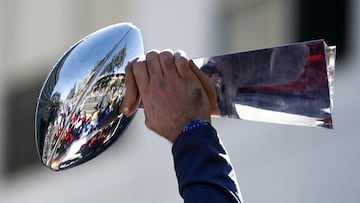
{"x":82,"y":86}
{"x":72,"y":92}
{"x":105,"y":91}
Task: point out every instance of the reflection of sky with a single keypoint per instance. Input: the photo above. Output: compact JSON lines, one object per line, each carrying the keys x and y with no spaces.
{"x":263,"y":115}
{"x":88,"y":53}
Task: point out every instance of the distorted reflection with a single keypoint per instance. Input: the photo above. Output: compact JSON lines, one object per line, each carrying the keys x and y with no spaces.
{"x":292,"y":83}
{"x":81,"y":135}
{"x":78,"y":109}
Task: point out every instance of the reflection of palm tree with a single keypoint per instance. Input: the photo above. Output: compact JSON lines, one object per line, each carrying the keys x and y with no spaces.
{"x":116,"y":62}
{"x":42,"y":114}
{"x":53,"y":106}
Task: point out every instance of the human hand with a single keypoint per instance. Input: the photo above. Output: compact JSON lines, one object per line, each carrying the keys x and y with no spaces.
{"x":173,"y":91}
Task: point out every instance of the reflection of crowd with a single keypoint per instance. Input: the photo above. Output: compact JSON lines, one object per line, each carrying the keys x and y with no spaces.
{"x":80,"y":136}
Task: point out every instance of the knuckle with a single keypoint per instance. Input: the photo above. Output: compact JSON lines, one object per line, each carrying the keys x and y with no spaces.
{"x":151,"y":54}
{"x":181,"y":61}
{"x":166,"y":55}
{"x":138,"y":65}
{"x":166,"y":59}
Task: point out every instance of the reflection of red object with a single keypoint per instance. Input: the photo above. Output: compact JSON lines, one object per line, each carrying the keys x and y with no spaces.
{"x":314,"y":57}
{"x":213,"y":75}
{"x":100,"y":137}
{"x":59,"y":131}
{"x":92,"y":141}
{"x":328,"y":122}
{"x":314,"y":75}
{"x":74,"y":119}
{"x":103,"y":135}
{"x":68,"y":137}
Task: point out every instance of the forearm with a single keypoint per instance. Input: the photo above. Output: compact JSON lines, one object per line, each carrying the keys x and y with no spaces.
{"x":203,"y":168}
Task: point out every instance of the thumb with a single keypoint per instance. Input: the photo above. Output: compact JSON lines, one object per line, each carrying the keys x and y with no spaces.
{"x":208,"y":86}
{"x":131,"y":98}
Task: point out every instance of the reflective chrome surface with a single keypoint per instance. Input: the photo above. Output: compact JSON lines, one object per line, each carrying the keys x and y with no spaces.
{"x":78,"y":117}
{"x":78,"y":108}
{"x":291,"y":84}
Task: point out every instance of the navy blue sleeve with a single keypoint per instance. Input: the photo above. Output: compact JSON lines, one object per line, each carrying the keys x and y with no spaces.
{"x":203,"y":169}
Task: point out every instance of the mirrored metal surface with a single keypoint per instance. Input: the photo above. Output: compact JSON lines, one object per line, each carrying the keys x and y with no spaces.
{"x":78,"y":117}
{"x":78,"y":108}
{"x":291,"y":84}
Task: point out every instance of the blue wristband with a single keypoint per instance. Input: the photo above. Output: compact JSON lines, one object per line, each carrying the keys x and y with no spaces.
{"x":194,"y":124}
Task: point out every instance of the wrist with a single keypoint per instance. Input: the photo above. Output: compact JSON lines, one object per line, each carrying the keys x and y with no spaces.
{"x":194,"y":124}
{"x":173,"y":133}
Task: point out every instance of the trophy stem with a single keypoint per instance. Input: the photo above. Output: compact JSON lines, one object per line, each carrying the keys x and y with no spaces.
{"x":291,"y":84}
